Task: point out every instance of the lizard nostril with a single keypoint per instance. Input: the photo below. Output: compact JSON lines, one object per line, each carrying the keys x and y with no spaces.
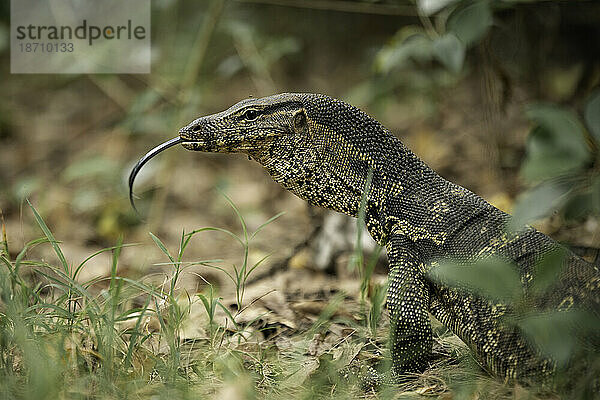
{"x":196,"y":128}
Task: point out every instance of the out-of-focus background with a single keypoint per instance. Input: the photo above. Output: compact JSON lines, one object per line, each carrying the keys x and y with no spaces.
{"x":500,"y":97}
{"x":67,"y":142}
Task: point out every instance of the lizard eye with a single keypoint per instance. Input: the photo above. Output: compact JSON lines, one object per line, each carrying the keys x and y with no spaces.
{"x":251,"y":115}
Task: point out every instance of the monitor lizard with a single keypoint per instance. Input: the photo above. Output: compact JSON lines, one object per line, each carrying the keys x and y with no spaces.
{"x":324,"y":151}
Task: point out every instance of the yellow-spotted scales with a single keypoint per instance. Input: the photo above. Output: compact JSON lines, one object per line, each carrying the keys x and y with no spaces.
{"x":323,"y":150}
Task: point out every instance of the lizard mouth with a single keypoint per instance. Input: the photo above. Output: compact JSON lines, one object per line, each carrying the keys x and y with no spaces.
{"x":190,"y":140}
{"x":137,"y":167}
{"x":196,"y":145}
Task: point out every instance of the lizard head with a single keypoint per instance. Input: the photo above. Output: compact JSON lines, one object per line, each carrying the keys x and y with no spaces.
{"x":319,"y":148}
{"x":308,"y":143}
{"x":246,"y":127}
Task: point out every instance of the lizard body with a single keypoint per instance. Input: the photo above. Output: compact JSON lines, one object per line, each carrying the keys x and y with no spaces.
{"x":323,"y":150}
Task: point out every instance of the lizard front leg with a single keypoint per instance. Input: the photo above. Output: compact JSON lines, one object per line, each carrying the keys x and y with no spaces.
{"x":407,"y":301}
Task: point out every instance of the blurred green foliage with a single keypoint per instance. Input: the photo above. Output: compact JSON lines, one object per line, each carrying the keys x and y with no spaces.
{"x":562,"y":159}
{"x":556,"y":146}
{"x":491,"y":277}
{"x":466,"y":23}
{"x":462,"y":24}
{"x":569,"y":337}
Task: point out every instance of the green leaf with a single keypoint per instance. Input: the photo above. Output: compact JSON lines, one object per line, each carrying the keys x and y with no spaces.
{"x":470,"y":23}
{"x":545,"y":159}
{"x":563,"y":125}
{"x":491,"y":277}
{"x":555,"y":333}
{"x":408,"y":44}
{"x":592,"y":115}
{"x":429,"y":7}
{"x":547,"y":269}
{"x":536,"y":203}
{"x":450,"y":51}
{"x":556,"y":146}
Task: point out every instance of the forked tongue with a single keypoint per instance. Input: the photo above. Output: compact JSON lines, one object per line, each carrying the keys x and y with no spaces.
{"x":136,"y":169}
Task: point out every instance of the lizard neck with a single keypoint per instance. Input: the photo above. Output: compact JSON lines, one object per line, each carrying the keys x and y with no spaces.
{"x":339,"y":148}
{"x":409,"y":199}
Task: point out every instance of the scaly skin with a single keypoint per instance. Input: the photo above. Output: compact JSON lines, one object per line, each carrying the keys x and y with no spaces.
{"x":322,"y":150}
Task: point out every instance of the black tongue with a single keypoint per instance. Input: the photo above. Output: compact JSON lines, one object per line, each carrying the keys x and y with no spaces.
{"x":136,"y":169}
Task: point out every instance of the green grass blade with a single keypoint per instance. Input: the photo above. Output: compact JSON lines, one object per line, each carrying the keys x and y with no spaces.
{"x":228,"y":314}
{"x":135,"y":334}
{"x":104,"y":250}
{"x":115,"y":260}
{"x":258,"y":263}
{"x":162,"y":247}
{"x":51,"y":239}
{"x":26,"y":248}
{"x":238,"y":213}
{"x":260,"y":228}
